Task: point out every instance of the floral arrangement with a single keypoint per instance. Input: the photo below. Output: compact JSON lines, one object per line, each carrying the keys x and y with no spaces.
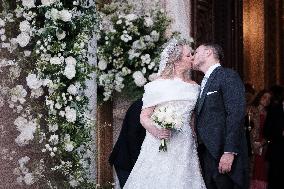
{"x":129,"y":42}
{"x":167,"y":118}
{"x":44,"y":46}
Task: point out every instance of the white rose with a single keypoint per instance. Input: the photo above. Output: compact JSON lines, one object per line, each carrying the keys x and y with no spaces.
{"x":65,"y":15}
{"x":27,"y":53}
{"x":23,"y":39}
{"x":131,"y":17}
{"x":139,"y":78}
{"x":54,"y":13}
{"x":148,"y":22}
{"x":102,"y":65}
{"x":25,"y":26}
{"x":3,"y":37}
{"x":69,"y":147}
{"x":70,"y":60}
{"x":72,"y":89}
{"x":47,"y":2}
{"x":60,"y":35}
{"x":55,"y":60}
{"x":2,"y":23}
{"x":28,"y":3}
{"x":70,"y":114}
{"x":33,"y":82}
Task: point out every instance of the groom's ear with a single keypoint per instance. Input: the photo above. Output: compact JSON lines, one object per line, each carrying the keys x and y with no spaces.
{"x":208,"y":52}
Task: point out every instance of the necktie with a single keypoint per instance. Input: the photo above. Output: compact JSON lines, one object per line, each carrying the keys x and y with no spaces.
{"x":203,"y":82}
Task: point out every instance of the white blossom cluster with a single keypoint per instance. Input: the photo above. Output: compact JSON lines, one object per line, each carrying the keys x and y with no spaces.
{"x":23,"y":173}
{"x":134,"y":54}
{"x":57,"y":72}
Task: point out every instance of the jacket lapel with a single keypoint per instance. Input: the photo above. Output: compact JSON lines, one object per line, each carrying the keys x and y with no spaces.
{"x":205,"y":90}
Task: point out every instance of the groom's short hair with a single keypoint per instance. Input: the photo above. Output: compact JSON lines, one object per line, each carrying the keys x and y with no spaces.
{"x":216,"y":49}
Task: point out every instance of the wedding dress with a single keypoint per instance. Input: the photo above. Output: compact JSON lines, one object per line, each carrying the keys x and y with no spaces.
{"x":178,"y":167}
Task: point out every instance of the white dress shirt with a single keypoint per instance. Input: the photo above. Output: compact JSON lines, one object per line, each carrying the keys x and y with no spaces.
{"x":207,"y":75}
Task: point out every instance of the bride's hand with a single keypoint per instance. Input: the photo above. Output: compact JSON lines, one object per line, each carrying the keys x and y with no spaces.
{"x":161,"y":133}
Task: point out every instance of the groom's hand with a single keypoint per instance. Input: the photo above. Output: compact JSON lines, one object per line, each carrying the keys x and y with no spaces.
{"x":226,"y":162}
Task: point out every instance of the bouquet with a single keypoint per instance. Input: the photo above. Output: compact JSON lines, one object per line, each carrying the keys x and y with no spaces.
{"x":167,"y":118}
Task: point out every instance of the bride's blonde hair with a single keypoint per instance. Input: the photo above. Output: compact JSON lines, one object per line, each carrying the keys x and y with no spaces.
{"x":172,"y":53}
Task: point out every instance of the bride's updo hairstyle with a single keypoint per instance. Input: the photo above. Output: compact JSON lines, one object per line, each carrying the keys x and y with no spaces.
{"x":171,"y":54}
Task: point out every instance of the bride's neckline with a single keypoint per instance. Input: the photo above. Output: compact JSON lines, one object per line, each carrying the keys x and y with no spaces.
{"x":178,"y":79}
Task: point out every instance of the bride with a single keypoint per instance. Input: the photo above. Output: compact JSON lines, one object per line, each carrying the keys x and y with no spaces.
{"x":178,"y":167}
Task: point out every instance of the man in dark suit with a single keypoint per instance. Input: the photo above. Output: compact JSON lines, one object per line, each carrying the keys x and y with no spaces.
{"x":128,"y":145}
{"x":220,"y":112}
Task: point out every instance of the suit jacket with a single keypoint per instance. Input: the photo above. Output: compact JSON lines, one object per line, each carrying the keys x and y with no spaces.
{"x":220,"y":113}
{"x":131,"y":137}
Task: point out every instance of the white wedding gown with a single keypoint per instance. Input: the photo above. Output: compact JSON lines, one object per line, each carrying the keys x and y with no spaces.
{"x":178,"y":167}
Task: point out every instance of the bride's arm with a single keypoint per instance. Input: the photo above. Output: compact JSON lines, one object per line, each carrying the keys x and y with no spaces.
{"x":147,"y":123}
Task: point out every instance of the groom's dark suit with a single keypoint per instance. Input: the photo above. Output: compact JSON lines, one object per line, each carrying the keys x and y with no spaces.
{"x":220,"y":113}
{"x":128,"y":145}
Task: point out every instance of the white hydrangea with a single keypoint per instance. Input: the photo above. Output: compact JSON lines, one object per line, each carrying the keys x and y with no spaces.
{"x":70,"y":71}
{"x":118,"y":81}
{"x":35,"y":93}
{"x":146,"y":59}
{"x":139,"y":78}
{"x":53,"y":127}
{"x":26,"y":129}
{"x":102,"y":64}
{"x":131,"y":17}
{"x":70,"y":114}
{"x":28,"y":3}
{"x":68,"y":144}
{"x":65,"y":15}
{"x":47,"y":2}
{"x":155,"y":35}
{"x":54,"y":139}
{"x":33,"y":81}
{"x":148,"y":22}
{"x":56,"y":60}
{"x":125,"y":37}
{"x":25,"y":26}
{"x":18,"y":93}
{"x":152,"y":77}
{"x":15,"y":71}
{"x":132,"y":54}
{"x":72,"y":89}
{"x":125,"y":71}
{"x":70,"y":60}
{"x":54,"y":14}
{"x":2,"y":23}
{"x":138,"y":44}
{"x":23,"y":39}
{"x":27,"y":53}
{"x":29,"y":179}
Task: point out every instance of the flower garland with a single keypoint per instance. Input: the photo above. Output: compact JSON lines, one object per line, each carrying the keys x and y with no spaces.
{"x":46,"y":42}
{"x":128,"y":46}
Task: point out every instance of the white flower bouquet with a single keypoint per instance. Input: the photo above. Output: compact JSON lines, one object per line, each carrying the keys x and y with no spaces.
{"x":167,"y":118}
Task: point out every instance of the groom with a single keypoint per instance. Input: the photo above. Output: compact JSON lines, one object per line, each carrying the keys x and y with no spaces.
{"x":220,"y":113}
